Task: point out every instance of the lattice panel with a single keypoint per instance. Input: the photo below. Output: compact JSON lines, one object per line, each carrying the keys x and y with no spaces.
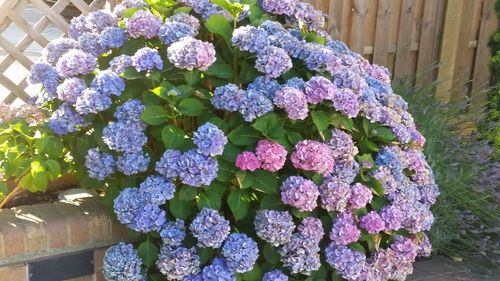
{"x":26,"y":26}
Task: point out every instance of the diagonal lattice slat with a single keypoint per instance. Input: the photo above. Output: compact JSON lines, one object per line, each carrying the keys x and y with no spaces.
{"x":15,"y":53}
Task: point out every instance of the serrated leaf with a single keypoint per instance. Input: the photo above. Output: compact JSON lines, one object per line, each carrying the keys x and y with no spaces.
{"x":271,"y":202}
{"x":320,"y":120}
{"x":219,"y":25}
{"x":221,"y":70}
{"x":172,"y":137}
{"x":265,"y":182}
{"x":244,"y":135}
{"x":191,"y":107}
{"x":148,"y":252}
{"x":239,"y":203}
{"x":180,"y":209}
{"x":154,"y":115}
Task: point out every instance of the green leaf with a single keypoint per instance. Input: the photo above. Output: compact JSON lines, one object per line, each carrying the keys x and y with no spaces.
{"x":188,"y":193}
{"x":320,"y":119}
{"x":192,"y":77}
{"x":210,"y":198}
{"x":254,"y":275}
{"x":154,"y":115}
{"x":219,"y":25}
{"x":383,"y":134}
{"x":166,"y":91}
{"x":191,"y":107}
{"x":49,"y":145}
{"x":53,"y":168}
{"x":148,"y":252}
{"x":271,"y":254}
{"x":131,"y":74}
{"x":243,"y":136}
{"x":271,"y":202}
{"x":266,"y":123}
{"x":230,"y":153}
{"x":180,"y":209}
{"x":376,"y":186}
{"x":172,"y":137}
{"x":186,"y":10}
{"x":294,"y":137}
{"x":226,"y":171}
{"x":205,"y":254}
{"x":265,"y":182}
{"x":221,"y":70}
{"x":246,"y":180}
{"x":3,"y":189}
{"x":239,"y":203}
{"x":128,"y":13}
{"x":378,"y":203}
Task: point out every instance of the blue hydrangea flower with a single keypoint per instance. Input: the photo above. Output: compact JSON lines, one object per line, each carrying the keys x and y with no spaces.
{"x":71,"y":89}
{"x":273,"y":61}
{"x":149,"y":218}
{"x":210,"y":228}
{"x":157,"y":189}
{"x":120,"y":63}
{"x":99,"y":164}
{"x":55,"y":49}
{"x":348,"y":262}
{"x":90,"y":43}
{"x":146,"y":59}
{"x":121,"y":262}
{"x":172,"y":31}
{"x":188,"y":19}
{"x":47,"y":75}
{"x":284,"y":40}
{"x":217,"y":271}
{"x":124,"y":137}
{"x":209,"y":139}
{"x":131,"y":163}
{"x":92,"y":101}
{"x":108,"y":83}
{"x":143,"y":24}
{"x":178,"y":262}
{"x":300,"y":255}
{"x":279,"y":7}
{"x":272,"y":27}
{"x":313,"y":19}
{"x":265,"y":85}
{"x":315,"y":56}
{"x":197,"y":169}
{"x":64,"y":120}
{"x":227,"y":97}
{"x":390,"y":159}
{"x":173,"y":233}
{"x":168,"y":165}
{"x":253,"y":104}
{"x":189,"y":53}
{"x":296,"y":82}
{"x":275,"y":275}
{"x":113,"y":37}
{"x":274,"y":227}
{"x":127,"y":204}
{"x":98,"y":20}
{"x":130,"y":111}
{"x":78,"y":26}
{"x":241,"y":252}
{"x":76,"y":62}
{"x":249,"y":38}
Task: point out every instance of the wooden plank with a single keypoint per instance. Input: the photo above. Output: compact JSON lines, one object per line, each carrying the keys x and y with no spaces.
{"x":13,"y":51}
{"x":13,"y":88}
{"x":334,"y":18}
{"x":19,"y":21}
{"x":481,"y":76}
{"x":358,"y":25}
{"x":82,"y":6}
{"x":402,"y":67}
{"x":345,"y":23}
{"x":54,"y":17}
{"x":5,"y":8}
{"x":381,"y":42}
{"x":425,"y":72}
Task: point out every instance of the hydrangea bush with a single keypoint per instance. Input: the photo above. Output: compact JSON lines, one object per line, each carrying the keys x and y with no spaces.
{"x":240,"y":141}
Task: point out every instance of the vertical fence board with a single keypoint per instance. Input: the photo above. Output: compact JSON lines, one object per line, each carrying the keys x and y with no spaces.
{"x":425,"y":74}
{"x":357,"y":43}
{"x":381,"y":42}
{"x":402,"y":67}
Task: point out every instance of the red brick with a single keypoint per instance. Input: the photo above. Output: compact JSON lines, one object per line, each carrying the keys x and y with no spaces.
{"x":56,"y":225}
{"x":78,"y":230}
{"x":13,"y":233}
{"x":14,"y":273}
{"x":98,"y":219}
{"x":34,"y":227}
{"x":98,"y":258}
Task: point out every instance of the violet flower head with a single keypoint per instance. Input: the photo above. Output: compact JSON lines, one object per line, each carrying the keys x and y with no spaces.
{"x":146,"y":59}
{"x":157,"y":190}
{"x":345,"y":101}
{"x":334,"y":194}
{"x":90,"y":43}
{"x":99,"y":20}
{"x":108,"y":83}
{"x":113,"y":37}
{"x":55,"y":49}
{"x":210,"y":228}
{"x":300,"y":193}
{"x":173,"y":233}
{"x":78,"y":26}
{"x":172,"y":31}
{"x":275,"y":275}
{"x":227,"y":97}
{"x":64,"y":120}
{"x":273,"y":61}
{"x":47,"y":75}
{"x":293,"y":101}
{"x":274,"y":227}
{"x":130,"y":111}
{"x":143,"y":24}
{"x":318,"y":89}
{"x":177,"y":262}
{"x":300,"y":255}
{"x":99,"y":165}
{"x":342,"y":146}
{"x":169,"y":164}
{"x":344,"y":230}
{"x":189,"y":53}
{"x":313,"y":156}
{"x":124,"y":137}
{"x":241,"y":252}
{"x":187,"y":19}
{"x":249,"y":38}
{"x":247,"y":161}
{"x":132,"y":163}
{"x":217,"y":271}
{"x":121,"y":262}
{"x":70,"y":89}
{"x":307,"y":14}
{"x":254,"y":104}
{"x":311,"y":228}
{"x":265,"y":85}
{"x":120,"y":63}
{"x":271,"y":154}
{"x":372,"y":222}
{"x":279,"y":7}
{"x":75,"y":62}
{"x":92,"y":101}
{"x":392,"y":216}
{"x":209,"y":139}
{"x":360,"y":196}
{"x":197,"y":169}
{"x":348,"y":262}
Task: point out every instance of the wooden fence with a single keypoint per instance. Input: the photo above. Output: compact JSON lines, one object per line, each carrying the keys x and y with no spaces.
{"x":420,"y":40}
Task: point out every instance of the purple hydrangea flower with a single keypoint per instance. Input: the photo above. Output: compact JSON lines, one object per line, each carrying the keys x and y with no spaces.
{"x":209,"y":139}
{"x":146,"y":59}
{"x":143,"y":24}
{"x":311,"y":228}
{"x":279,"y":7}
{"x":55,"y":49}
{"x":404,"y":248}
{"x":113,"y":37}
{"x":75,"y":62}
{"x":345,"y":171}
{"x":120,"y":63}
{"x":300,"y":255}
{"x":90,"y":43}
{"x":64,"y":120}
{"x":187,"y":19}
{"x":274,"y":227}
{"x":92,"y":101}
{"x":315,"y":56}
{"x":392,"y":217}
{"x":172,"y":31}
{"x":313,"y":156}
{"x":247,"y":161}
{"x":284,"y":40}
{"x":70,"y":89}
{"x":99,"y":165}
{"x":227,"y":97}
{"x":345,"y":101}
{"x":99,"y":20}
{"x":275,"y":275}
{"x":178,"y":262}
{"x":241,"y":252}
{"x":265,"y":85}
{"x":300,"y":193}
{"x":124,"y":137}
{"x":78,"y":26}
{"x":168,"y":165}
{"x":47,"y":75}
{"x":132,"y":163}
{"x":148,"y":218}
{"x":360,"y":196}
{"x":272,"y":27}
{"x":271,"y":154}
{"x":345,"y":78}
{"x":189,"y":53}
{"x":217,"y":271}
{"x":425,"y":247}
{"x":130,"y":111}
{"x":293,"y":101}
{"x":344,"y":230}
{"x":249,"y":38}
{"x":307,"y":14}
{"x":372,"y":222}
{"x":318,"y":89}
{"x":121,"y":262}
{"x":108,"y":83}
{"x":334,"y":194}
{"x":210,"y":228}
{"x":157,"y":190}
{"x":273,"y":61}
{"x":173,"y":233}
{"x":297,"y":83}
{"x":197,"y":169}
{"x":342,"y":145}
{"x":127,"y":4}
{"x":348,"y":262}
{"x":253,"y":104}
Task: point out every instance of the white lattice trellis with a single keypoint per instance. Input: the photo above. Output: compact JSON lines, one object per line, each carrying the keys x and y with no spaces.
{"x":18,"y":33}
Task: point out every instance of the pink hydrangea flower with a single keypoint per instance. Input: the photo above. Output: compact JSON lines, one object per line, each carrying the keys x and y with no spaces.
{"x":372,"y":222}
{"x":360,"y":196}
{"x":271,"y":154}
{"x":247,"y":161}
{"x":313,"y":156}
{"x":300,"y":193}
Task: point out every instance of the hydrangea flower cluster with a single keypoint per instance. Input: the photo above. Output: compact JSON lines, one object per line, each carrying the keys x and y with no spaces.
{"x":191,"y":113}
